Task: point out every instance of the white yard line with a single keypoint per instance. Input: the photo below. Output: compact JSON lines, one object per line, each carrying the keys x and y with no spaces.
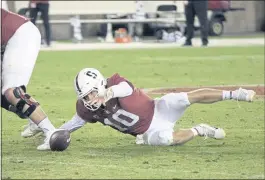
{"x":226,"y":42}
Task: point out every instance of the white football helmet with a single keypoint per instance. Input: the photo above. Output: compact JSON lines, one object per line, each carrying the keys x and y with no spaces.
{"x":86,"y":81}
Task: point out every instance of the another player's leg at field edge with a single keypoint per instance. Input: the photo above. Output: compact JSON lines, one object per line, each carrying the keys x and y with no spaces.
{"x":17,"y":66}
{"x":209,"y":96}
{"x":31,"y":109}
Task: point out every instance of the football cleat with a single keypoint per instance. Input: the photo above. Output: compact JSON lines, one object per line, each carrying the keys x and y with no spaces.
{"x":45,"y":146}
{"x":243,"y":95}
{"x":30,"y":130}
{"x":209,"y":131}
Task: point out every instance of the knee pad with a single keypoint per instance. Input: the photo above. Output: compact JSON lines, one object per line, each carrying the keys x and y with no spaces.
{"x":4,"y":103}
{"x":165,"y":138}
{"x":161,"y":138}
{"x":9,"y":107}
{"x":23,"y":100}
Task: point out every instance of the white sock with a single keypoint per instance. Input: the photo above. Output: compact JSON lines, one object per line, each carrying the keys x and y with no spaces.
{"x":46,"y":126}
{"x":195,"y":132}
{"x":227,"y":95}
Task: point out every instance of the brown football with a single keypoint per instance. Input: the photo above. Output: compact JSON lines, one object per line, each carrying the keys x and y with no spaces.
{"x":60,"y":140}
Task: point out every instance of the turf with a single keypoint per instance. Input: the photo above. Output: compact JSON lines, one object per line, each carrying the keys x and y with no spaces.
{"x":101,"y":152}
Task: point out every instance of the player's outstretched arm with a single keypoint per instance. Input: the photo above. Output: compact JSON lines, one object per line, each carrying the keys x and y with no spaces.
{"x":75,"y":123}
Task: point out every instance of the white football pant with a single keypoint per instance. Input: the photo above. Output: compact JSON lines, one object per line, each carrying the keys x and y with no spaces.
{"x":20,"y":56}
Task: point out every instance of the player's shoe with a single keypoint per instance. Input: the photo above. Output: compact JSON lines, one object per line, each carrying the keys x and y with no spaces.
{"x":243,"y":95}
{"x":46,"y":145}
{"x":30,"y":130}
{"x":209,"y":131}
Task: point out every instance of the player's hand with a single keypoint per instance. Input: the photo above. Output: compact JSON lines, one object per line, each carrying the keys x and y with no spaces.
{"x":97,"y":100}
{"x":108,"y":94}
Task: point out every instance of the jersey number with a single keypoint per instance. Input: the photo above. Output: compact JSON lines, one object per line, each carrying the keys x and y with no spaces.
{"x":125,"y":118}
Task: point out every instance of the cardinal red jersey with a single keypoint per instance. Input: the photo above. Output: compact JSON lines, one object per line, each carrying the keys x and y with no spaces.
{"x":132,"y":114}
{"x":10,"y":22}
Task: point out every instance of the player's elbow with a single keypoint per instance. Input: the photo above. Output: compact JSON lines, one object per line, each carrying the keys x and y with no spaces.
{"x":129,"y":91}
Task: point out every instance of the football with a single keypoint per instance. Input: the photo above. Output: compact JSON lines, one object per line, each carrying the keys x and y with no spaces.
{"x":60,"y":140}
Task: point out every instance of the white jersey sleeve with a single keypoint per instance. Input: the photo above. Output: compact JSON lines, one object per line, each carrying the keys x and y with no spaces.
{"x":75,"y":123}
{"x":123,"y":89}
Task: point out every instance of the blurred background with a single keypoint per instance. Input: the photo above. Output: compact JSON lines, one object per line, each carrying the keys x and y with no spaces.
{"x":79,"y":21}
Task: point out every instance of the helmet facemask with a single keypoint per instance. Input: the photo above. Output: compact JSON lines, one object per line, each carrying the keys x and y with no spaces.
{"x":86,"y":100}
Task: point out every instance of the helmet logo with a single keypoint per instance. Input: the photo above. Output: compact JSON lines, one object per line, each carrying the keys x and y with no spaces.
{"x":91,"y":74}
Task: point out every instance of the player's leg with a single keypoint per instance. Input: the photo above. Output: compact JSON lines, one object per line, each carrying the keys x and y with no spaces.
{"x":184,"y":135}
{"x":209,"y":96}
{"x":168,"y":109}
{"x":44,"y":9}
{"x":33,"y":13}
{"x":18,"y":62}
{"x":190,"y":16}
{"x":173,"y":105}
{"x":214,"y":95}
{"x":168,"y":137}
{"x":31,"y":129}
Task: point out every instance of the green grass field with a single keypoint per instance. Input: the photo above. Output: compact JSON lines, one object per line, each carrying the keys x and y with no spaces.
{"x":101,"y":152}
